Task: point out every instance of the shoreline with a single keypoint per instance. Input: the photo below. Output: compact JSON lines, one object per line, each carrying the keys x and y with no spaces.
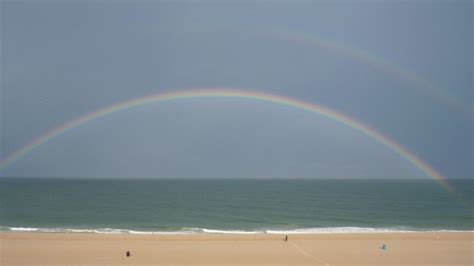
{"x":192,"y":231}
{"x":236,"y":236}
{"x":269,"y":236}
{"x":411,"y":248}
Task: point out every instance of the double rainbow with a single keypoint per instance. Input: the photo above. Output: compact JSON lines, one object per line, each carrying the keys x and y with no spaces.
{"x":442,"y":95}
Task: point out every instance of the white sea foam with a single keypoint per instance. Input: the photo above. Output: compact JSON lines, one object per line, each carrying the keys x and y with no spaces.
{"x":81,"y":230}
{"x":318,"y":230}
{"x":214,"y":231}
{"x":160,"y":232}
{"x":23,"y":229}
{"x":330,"y":230}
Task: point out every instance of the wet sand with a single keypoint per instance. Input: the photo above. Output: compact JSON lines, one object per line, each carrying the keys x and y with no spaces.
{"x":443,"y":248}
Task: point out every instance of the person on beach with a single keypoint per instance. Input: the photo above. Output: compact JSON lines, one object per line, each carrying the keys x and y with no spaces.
{"x":286,"y":238}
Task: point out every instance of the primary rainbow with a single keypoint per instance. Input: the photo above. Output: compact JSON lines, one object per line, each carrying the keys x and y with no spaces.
{"x":232,"y":93}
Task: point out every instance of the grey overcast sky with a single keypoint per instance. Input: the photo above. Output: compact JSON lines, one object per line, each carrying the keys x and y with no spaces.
{"x":64,"y":59}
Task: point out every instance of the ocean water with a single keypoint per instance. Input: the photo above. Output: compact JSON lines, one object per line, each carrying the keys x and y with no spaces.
{"x":233,"y":206}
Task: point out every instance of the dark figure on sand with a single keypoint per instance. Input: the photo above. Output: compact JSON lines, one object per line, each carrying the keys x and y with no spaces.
{"x":127,"y":254}
{"x":286,"y":238}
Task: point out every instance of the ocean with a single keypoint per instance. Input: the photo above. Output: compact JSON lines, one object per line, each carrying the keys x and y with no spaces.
{"x":233,"y":206}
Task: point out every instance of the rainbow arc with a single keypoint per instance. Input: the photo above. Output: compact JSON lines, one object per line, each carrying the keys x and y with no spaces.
{"x":239,"y":94}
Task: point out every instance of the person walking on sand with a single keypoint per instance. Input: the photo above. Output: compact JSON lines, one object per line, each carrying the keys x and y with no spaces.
{"x":286,"y":238}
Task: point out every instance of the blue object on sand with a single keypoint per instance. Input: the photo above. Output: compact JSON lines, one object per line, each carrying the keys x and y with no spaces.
{"x":384,"y":247}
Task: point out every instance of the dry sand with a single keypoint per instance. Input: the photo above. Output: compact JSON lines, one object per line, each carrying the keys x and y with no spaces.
{"x":444,"y":248}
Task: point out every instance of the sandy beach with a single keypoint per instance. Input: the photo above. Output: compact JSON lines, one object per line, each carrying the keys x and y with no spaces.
{"x":444,"y":248}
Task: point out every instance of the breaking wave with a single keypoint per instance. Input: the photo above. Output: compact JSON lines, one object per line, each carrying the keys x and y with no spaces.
{"x":190,"y":230}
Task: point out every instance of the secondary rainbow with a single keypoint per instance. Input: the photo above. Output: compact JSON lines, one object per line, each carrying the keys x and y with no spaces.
{"x":441,"y":95}
{"x":232,"y":93}
{"x":379,"y":62}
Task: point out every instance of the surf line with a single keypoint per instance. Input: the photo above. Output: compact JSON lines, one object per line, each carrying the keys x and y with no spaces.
{"x":305,"y":253}
{"x":210,"y":93}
